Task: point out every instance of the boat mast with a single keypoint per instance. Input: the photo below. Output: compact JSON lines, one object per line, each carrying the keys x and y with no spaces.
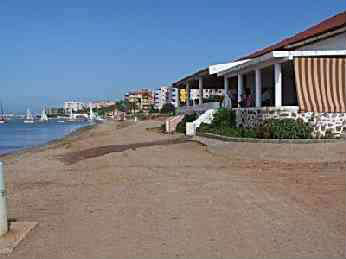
{"x":2,"y":112}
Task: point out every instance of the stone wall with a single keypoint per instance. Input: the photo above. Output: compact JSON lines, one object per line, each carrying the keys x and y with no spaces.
{"x":334,"y":123}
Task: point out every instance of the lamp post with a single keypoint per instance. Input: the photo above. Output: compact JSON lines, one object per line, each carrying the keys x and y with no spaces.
{"x":3,"y":203}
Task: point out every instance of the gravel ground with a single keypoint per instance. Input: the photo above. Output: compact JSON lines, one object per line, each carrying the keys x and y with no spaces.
{"x":177,"y":200}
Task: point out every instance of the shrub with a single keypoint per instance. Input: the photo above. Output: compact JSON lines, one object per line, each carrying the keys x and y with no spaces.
{"x":224,"y":118}
{"x":181,"y":127}
{"x":284,"y":129}
{"x":168,"y":108}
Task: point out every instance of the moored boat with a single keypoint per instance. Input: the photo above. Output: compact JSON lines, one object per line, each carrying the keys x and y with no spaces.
{"x":3,"y":119}
{"x":28,"y":118}
{"x":44,"y":117}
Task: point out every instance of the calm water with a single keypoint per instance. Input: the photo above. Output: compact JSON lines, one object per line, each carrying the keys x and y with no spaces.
{"x":17,"y":135}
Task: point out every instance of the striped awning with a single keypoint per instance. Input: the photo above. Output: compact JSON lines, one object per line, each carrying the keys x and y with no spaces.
{"x":321,"y":83}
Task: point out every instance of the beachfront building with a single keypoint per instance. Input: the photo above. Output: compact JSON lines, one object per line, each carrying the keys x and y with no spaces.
{"x":174,"y":97}
{"x":162,"y":96}
{"x":54,"y":111}
{"x":100,"y":104}
{"x":302,"y":76}
{"x":73,"y":106}
{"x":140,"y":100}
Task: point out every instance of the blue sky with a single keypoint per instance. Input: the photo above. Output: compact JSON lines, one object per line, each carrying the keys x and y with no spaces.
{"x":51,"y":51}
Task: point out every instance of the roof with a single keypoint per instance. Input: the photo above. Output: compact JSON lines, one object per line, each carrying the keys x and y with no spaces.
{"x":330,"y":24}
{"x":202,"y":72}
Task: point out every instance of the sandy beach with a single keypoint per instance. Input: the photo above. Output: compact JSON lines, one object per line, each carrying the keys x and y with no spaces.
{"x":119,"y":190}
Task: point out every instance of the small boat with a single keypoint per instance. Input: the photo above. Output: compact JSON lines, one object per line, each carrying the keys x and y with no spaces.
{"x":44,"y":117}
{"x":3,"y":119}
{"x":28,"y":118}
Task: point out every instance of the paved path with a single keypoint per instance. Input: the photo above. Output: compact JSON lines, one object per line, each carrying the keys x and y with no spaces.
{"x":174,"y":201}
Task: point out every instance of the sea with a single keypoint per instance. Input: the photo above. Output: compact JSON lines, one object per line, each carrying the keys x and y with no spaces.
{"x":16,"y":135}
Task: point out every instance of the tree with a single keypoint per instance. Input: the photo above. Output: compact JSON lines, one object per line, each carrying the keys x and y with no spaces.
{"x":168,"y":108}
{"x":122,"y":106}
{"x":153,"y":110}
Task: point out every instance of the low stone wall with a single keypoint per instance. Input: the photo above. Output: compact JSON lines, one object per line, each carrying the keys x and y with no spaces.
{"x":334,"y":123}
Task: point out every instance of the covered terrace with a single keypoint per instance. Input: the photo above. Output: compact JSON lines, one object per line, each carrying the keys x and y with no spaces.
{"x":200,"y":80}
{"x":288,"y":78}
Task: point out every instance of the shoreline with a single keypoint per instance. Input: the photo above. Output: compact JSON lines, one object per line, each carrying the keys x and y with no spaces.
{"x":41,"y":147}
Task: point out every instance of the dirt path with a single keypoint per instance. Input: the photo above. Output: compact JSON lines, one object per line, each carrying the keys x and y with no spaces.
{"x":173,"y":201}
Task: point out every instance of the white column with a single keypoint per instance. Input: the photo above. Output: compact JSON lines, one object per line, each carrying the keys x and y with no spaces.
{"x":258,"y":88}
{"x":187,"y":93}
{"x":200,"y":85}
{"x":227,"y":99}
{"x":240,"y":87}
{"x":278,"y":85}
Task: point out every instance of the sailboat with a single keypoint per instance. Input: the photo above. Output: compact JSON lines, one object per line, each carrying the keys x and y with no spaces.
{"x":2,"y":117}
{"x":44,"y":117}
{"x":91,"y":114}
{"x":28,"y":118}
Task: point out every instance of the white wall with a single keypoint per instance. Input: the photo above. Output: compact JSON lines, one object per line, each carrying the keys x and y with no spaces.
{"x":335,"y":43}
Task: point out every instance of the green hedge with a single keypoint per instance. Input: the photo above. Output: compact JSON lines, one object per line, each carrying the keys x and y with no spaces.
{"x":284,"y":129}
{"x":224,"y":123}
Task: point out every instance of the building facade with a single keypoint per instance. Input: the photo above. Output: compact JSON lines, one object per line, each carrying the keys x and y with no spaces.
{"x":100,"y":104}
{"x":140,"y":100}
{"x":303,"y":76}
{"x":73,"y":106}
{"x":174,"y":97}
{"x":162,"y":96}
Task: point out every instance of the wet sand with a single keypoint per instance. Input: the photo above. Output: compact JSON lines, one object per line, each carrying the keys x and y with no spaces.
{"x":121,"y":191}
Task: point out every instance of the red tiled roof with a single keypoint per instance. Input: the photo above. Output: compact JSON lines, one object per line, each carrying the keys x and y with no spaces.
{"x":327,"y":25}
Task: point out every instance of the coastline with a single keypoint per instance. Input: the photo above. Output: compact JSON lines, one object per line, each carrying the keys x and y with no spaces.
{"x":50,"y":144}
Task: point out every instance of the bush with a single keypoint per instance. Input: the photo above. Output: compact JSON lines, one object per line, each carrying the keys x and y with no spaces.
{"x":168,"y":108}
{"x":284,"y":129}
{"x":228,"y":131}
{"x":181,"y":127}
{"x":224,"y":124}
{"x":224,"y":118}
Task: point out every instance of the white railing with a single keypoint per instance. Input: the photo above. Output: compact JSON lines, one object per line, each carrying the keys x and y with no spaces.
{"x":206,"y":117}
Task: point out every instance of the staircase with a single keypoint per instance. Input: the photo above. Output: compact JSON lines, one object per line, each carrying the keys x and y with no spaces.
{"x":206,"y":117}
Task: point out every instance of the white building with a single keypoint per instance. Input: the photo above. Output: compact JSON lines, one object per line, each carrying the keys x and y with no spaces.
{"x":174,"y":97}
{"x":302,"y":76}
{"x":162,"y":96}
{"x":73,"y":105}
{"x":100,"y":104}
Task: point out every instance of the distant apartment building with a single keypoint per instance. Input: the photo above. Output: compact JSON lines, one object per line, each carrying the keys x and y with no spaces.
{"x":74,"y":106}
{"x":140,"y":100}
{"x":174,"y":97}
{"x":54,"y":111}
{"x":100,"y":104}
{"x":162,"y":96}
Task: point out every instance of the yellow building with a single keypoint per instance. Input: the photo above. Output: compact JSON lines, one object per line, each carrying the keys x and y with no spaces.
{"x":183,"y":95}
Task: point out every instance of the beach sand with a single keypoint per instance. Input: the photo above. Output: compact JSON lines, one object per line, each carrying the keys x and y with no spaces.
{"x":118,"y":190}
